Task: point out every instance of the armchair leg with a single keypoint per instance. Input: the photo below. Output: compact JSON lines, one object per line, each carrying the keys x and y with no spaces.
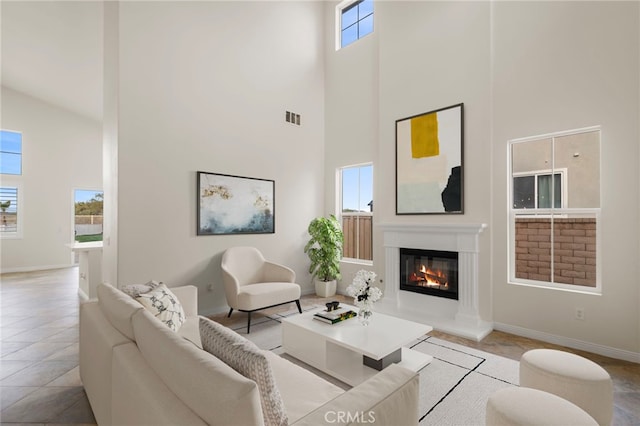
{"x":248,"y":321}
{"x":230,"y":310}
{"x":298,"y":303}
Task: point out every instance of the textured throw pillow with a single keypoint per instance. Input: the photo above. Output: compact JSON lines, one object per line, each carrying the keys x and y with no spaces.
{"x":164,"y":305}
{"x":247,"y":359}
{"x":136,"y":290}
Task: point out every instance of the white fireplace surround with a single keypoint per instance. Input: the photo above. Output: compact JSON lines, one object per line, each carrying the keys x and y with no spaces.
{"x":460,"y":317}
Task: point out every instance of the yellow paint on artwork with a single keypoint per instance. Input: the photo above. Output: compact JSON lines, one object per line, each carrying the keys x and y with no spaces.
{"x":424,"y":136}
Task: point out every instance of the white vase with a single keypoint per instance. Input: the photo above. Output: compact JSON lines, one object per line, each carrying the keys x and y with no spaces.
{"x":325,"y":288}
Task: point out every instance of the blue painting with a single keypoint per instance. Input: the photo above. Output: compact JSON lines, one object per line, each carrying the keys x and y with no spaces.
{"x":235,"y":205}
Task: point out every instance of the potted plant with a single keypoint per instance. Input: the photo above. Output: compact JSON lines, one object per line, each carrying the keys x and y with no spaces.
{"x":324,"y":249}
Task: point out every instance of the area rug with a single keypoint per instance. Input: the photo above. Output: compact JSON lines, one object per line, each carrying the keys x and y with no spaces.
{"x":454,"y":388}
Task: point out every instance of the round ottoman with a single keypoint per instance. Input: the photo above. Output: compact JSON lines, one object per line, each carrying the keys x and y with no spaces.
{"x":571,"y":377}
{"x":516,"y":406}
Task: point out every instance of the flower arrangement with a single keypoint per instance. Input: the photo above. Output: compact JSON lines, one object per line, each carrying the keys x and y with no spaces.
{"x":362,"y":290}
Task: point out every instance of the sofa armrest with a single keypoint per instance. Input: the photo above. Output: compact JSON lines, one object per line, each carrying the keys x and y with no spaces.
{"x":273,"y":272}
{"x":188,"y":296}
{"x":98,"y":339}
{"x":388,"y":398}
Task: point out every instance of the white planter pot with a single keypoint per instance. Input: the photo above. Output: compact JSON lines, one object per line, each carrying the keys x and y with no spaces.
{"x":325,"y":288}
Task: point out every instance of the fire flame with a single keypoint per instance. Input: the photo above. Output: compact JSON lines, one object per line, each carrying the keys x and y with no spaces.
{"x":435,"y":278}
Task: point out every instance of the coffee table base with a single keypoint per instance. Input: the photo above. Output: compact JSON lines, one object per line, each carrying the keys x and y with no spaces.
{"x":381,"y":364}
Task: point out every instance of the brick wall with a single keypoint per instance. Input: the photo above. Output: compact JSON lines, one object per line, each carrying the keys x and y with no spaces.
{"x":574,"y":250}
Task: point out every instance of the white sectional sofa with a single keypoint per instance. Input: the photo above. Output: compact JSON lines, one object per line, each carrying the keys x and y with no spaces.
{"x":137,"y":371}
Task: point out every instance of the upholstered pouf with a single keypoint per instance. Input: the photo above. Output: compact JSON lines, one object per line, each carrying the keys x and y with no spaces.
{"x":517,"y":406}
{"x":571,"y":377}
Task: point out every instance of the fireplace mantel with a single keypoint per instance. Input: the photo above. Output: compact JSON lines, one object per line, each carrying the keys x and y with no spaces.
{"x":460,"y":317}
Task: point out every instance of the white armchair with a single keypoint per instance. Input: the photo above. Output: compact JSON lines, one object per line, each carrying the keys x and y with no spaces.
{"x":251,"y":283}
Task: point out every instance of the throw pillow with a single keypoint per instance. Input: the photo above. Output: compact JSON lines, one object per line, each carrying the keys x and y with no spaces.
{"x":247,"y":359}
{"x":135,"y":290}
{"x":164,"y":305}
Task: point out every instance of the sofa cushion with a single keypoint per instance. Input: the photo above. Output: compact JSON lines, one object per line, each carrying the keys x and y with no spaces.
{"x":190,"y":330}
{"x":140,"y":397}
{"x":164,"y":305}
{"x":212,"y":389}
{"x":390,"y":397}
{"x":257,"y":296}
{"x":118,"y":308}
{"x":250,"y":361}
{"x":292,"y":378}
{"x":135,"y":290}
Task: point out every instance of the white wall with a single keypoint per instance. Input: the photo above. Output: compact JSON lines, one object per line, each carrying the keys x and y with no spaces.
{"x":351,"y":111}
{"x":204,"y":87}
{"x":521,"y":69}
{"x":434,"y":55}
{"x":560,"y":66}
{"x":62,"y":151}
{"x":405,"y":68}
{"x":111,"y":66}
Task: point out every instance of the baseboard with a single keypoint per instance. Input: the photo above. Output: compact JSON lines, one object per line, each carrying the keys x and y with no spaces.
{"x":35,"y":268}
{"x":569,"y":342}
{"x":82,"y":295}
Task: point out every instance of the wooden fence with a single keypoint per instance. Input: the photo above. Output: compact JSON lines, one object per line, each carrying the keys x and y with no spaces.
{"x":357,"y":231}
{"x":88,"y":219}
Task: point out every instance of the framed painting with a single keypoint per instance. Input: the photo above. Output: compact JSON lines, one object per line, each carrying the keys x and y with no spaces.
{"x":429,"y":169}
{"x":235,"y":205}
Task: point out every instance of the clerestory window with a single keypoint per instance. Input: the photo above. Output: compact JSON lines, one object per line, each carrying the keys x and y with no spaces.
{"x":10,"y":152}
{"x":354,"y":20}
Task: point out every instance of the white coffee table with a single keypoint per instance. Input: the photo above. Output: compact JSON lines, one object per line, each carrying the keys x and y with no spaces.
{"x":340,"y":349}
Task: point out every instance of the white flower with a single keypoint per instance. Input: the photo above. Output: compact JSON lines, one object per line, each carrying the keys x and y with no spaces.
{"x":362,"y":290}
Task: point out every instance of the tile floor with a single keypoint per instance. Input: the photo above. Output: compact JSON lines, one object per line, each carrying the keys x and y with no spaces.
{"x":39,"y":377}
{"x":39,"y":373}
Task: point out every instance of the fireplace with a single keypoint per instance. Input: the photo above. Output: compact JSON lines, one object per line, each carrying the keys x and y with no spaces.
{"x":460,"y":316}
{"x":431,"y":272}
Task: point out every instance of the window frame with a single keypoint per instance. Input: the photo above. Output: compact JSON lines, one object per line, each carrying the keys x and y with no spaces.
{"x":551,"y":213}
{"x":342,"y":7}
{"x":340,"y":214}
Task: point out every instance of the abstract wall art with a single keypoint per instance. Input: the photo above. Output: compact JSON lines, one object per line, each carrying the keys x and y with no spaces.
{"x":429,"y":169}
{"x":235,"y":205}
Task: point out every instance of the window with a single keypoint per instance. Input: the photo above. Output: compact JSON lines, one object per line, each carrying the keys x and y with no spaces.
{"x":88,"y":208}
{"x":9,"y":206}
{"x":533,"y":191}
{"x":357,"y":211}
{"x":354,"y":21}
{"x":10,"y":152}
{"x":555,"y":210}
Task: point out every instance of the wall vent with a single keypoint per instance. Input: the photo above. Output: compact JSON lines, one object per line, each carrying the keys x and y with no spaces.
{"x":292,"y":117}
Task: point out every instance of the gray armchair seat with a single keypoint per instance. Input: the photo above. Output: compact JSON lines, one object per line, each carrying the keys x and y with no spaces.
{"x":252,"y":283}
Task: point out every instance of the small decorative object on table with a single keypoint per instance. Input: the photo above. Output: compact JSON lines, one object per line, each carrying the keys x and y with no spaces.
{"x":333,"y":316}
{"x":332,"y":306}
{"x":364,"y":294}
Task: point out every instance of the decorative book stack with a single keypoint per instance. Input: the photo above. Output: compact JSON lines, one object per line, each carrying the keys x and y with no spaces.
{"x":334,"y":316}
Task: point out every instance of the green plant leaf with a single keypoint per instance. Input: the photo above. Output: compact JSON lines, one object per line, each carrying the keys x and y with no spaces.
{"x":324,"y":248}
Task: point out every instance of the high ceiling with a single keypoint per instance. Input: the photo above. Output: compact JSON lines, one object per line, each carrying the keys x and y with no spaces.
{"x":52,"y":50}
